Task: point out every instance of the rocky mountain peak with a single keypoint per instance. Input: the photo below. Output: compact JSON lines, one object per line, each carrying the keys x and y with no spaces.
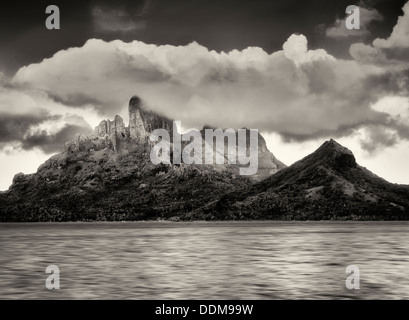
{"x":143,"y":122}
{"x":331,"y":155}
{"x":335,"y":154}
{"x":111,"y":131}
{"x":114,"y":134}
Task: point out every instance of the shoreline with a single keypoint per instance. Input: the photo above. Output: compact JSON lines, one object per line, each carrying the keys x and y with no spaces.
{"x":215,"y":222}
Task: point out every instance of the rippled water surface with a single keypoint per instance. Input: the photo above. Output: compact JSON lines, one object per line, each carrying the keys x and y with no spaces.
{"x":231,"y":260}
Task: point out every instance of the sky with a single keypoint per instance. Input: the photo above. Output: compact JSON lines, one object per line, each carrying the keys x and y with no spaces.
{"x":288,"y":68}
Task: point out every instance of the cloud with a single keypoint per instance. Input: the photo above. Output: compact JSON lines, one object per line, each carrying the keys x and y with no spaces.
{"x":400,"y":33}
{"x":124,"y":18}
{"x":367,"y":16}
{"x":395,"y":128}
{"x":393,"y":51}
{"x":300,"y":94}
{"x":378,"y":138}
{"x":396,"y":107}
{"x":14,"y":127}
{"x":25,"y":123}
{"x":296,"y":49}
{"x":391,"y":54}
{"x":53,"y":142}
{"x":367,"y":54}
{"x":23,"y":132}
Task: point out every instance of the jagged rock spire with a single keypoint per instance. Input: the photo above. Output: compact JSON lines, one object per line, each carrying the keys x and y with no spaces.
{"x":142,"y":122}
{"x":136,"y":124}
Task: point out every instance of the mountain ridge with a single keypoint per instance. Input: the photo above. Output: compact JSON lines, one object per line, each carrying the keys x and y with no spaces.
{"x":109,"y":176}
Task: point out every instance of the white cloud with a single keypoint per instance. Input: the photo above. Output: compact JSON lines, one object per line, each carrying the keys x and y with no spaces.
{"x":296,"y":92}
{"x":400,"y":34}
{"x":396,"y":107}
{"x":296,"y":49}
{"x":393,"y":51}
{"x":366,"y":53}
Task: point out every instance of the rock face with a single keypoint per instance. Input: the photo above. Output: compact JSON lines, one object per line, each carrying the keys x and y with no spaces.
{"x":142,"y":122}
{"x":268,"y":164}
{"x":111,"y":128}
{"x":112,"y":131}
{"x":116,"y":136}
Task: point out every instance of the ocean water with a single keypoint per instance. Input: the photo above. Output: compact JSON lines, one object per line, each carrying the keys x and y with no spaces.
{"x":205,"y":260}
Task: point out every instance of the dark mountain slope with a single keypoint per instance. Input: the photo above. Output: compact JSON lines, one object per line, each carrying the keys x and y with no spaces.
{"x":327,"y":184}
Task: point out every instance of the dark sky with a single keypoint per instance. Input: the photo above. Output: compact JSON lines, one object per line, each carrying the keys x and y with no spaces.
{"x":219,"y":25}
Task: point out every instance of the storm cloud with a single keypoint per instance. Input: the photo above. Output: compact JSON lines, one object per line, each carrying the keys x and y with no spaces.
{"x":53,"y":142}
{"x":37,"y":129}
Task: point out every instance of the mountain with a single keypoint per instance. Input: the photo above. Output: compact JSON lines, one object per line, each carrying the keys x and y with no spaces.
{"x":109,"y":175}
{"x":268,"y":164}
{"x":327,"y":184}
